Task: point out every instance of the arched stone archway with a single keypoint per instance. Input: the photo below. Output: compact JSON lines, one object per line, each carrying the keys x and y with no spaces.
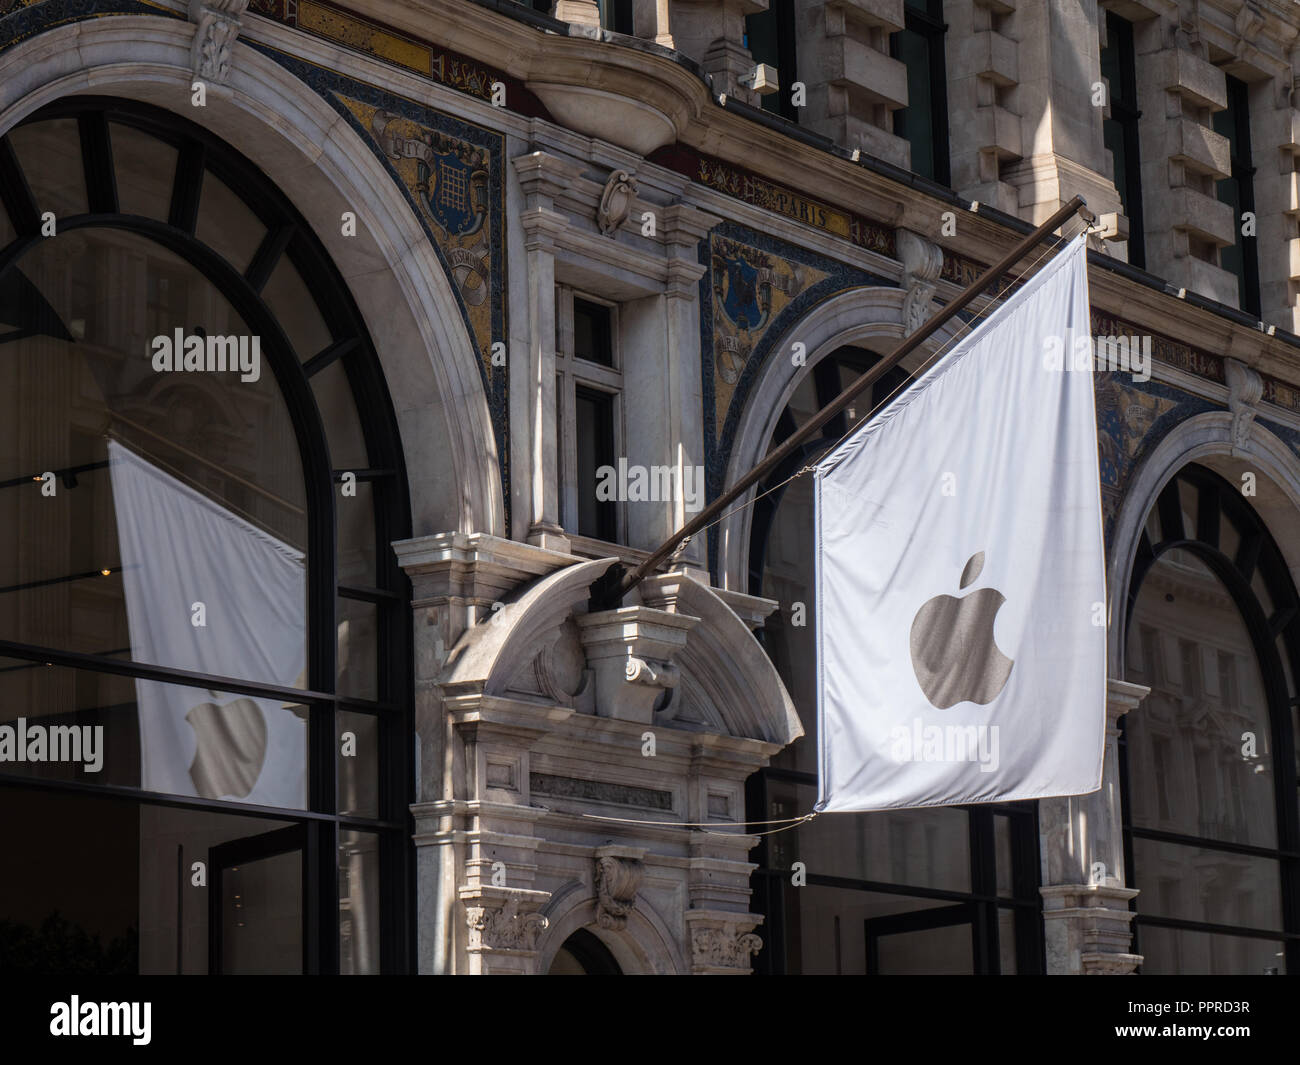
{"x":1205,"y":439}
{"x":308,"y":150}
{"x":860,"y":315}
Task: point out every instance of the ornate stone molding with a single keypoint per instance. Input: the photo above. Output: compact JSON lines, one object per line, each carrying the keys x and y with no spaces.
{"x":218,"y":24}
{"x":723,"y":947}
{"x":616,"y":202}
{"x":502,"y":927}
{"x":922,"y":263}
{"x":1245,"y":389}
{"x":619,"y":872}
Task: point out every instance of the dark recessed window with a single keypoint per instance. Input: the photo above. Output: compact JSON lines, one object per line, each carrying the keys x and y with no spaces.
{"x":1238,"y":192}
{"x":616,"y":15}
{"x":593,"y":332}
{"x":923,"y":123}
{"x":770,"y":37}
{"x":594,"y":431}
{"x":1121,"y":129}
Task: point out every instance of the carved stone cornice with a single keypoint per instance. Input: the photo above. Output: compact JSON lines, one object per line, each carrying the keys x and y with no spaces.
{"x":619,"y":872}
{"x":219,"y":23}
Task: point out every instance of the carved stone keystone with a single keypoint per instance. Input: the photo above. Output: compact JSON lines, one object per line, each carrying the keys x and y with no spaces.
{"x":630,"y":651}
{"x":219,"y":24}
{"x":619,"y":871}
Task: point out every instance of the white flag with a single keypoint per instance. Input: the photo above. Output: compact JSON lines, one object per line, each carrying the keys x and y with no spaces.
{"x":961,"y":639}
{"x":180,"y":548}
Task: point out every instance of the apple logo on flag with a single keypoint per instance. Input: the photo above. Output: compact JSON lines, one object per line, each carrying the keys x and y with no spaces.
{"x":953,"y":653}
{"x":229,"y":748}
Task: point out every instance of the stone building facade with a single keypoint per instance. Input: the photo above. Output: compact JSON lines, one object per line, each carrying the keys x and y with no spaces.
{"x":493,"y":247}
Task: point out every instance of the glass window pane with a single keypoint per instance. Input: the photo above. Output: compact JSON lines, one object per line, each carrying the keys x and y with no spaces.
{"x":146,"y":170}
{"x":261,"y":910}
{"x":595,"y":446}
{"x":358,"y":902}
{"x":1002,"y":846}
{"x":357,"y":649}
{"x":1199,"y":884}
{"x":175,"y":528}
{"x":338,"y":410}
{"x":1179,"y":952}
{"x":593,"y":332}
{"x":1007,"y":941}
{"x":829,"y":929}
{"x":226,"y":224}
{"x":922,"y":848}
{"x":1187,"y":770}
{"x":357,"y":559}
{"x":293,"y":304}
{"x":358,"y":764}
{"x":145,"y":914}
{"x":49,"y":153}
{"x":77,"y":725}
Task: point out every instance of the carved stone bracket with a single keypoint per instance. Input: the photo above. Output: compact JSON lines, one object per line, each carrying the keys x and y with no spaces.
{"x":619,"y":872}
{"x":219,"y":23}
{"x":630,"y":650}
{"x":1245,"y":388}
{"x":616,"y":202}
{"x":922,"y":262}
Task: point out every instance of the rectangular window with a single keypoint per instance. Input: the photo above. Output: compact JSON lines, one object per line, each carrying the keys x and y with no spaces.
{"x":1238,"y":192}
{"x":594,"y":433}
{"x":593,"y":332}
{"x":1120,"y":130}
{"x":770,"y":37}
{"x":616,"y":15}
{"x":923,"y":123}
{"x":588,"y":406}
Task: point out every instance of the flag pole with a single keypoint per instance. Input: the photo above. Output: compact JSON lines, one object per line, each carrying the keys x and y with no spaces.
{"x":609,"y":590}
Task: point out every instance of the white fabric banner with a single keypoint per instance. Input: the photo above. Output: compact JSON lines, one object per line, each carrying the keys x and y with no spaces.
{"x":961,"y":636}
{"x":179,"y":548}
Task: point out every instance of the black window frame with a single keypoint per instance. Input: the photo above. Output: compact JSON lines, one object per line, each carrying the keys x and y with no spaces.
{"x":288,"y":235}
{"x":1219,"y":501}
{"x":1233,"y":122}
{"x":1122,"y":127}
{"x":928,"y":24}
{"x":772,"y":38}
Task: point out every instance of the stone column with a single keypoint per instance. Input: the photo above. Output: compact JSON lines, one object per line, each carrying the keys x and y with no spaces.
{"x":542,"y":226}
{"x":1085,"y":901}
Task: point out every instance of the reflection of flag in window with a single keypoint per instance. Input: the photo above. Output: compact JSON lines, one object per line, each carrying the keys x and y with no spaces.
{"x":178,"y":548}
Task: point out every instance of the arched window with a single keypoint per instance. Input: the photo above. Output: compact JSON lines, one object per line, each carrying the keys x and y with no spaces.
{"x":201,"y":477}
{"x":952,"y":890}
{"x":1209,"y":757}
